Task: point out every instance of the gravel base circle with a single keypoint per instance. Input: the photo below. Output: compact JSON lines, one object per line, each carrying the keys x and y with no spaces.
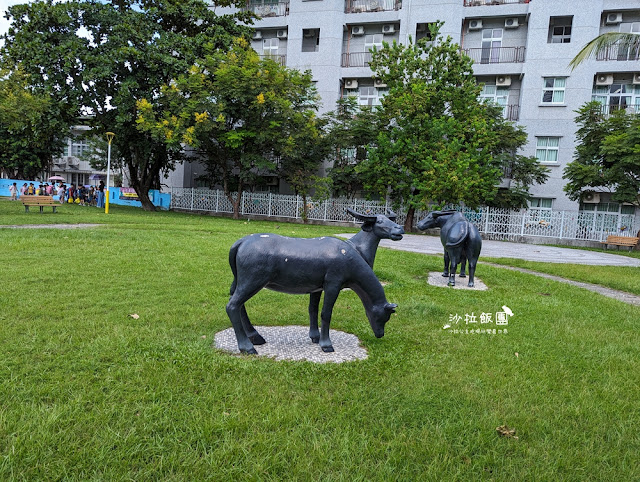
{"x":293,"y":343}
{"x":436,"y":279}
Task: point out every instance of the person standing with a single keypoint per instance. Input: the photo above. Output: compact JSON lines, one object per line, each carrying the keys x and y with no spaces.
{"x":23,"y":189}
{"x":13,"y":189}
{"x":31,"y":190}
{"x":61,"y":193}
{"x":101,"y":194}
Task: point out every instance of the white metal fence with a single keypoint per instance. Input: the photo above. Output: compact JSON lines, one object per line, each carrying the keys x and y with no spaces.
{"x":494,"y":223}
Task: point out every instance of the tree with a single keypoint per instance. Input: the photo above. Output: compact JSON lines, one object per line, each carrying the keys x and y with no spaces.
{"x":100,"y":58}
{"x":30,"y":135}
{"x":602,"y":43}
{"x":350,"y":129}
{"x":607,"y":155}
{"x":437,"y":140}
{"x":240,"y":112}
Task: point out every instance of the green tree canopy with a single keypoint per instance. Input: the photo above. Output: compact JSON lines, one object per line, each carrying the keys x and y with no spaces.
{"x":242,"y":113}
{"x":437,"y":141}
{"x":100,"y":58}
{"x":607,"y":155}
{"x":31,"y":133}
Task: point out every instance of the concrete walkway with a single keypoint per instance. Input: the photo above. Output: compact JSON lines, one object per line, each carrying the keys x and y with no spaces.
{"x":504,"y":249}
{"x":529,"y":252}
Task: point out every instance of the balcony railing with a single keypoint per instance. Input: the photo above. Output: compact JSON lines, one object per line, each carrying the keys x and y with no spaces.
{"x":477,"y":3}
{"x":360,"y":6}
{"x":269,"y":9}
{"x":496,"y":55}
{"x":279,"y":59}
{"x":620,"y":51}
{"x":356,"y":59}
{"x":608,"y":109}
{"x":511,"y":112}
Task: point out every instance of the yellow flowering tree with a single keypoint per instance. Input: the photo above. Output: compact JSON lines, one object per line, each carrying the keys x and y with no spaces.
{"x":243,"y":115}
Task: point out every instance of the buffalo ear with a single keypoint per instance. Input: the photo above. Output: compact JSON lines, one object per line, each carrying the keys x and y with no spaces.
{"x":392,"y":216}
{"x":390,"y":307}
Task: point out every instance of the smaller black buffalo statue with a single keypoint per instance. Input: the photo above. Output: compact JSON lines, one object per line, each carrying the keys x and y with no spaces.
{"x":310,"y":266}
{"x":461,"y":240}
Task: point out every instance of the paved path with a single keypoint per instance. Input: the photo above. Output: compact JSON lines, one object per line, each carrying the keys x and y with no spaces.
{"x":503,"y":249}
{"x":529,"y":252}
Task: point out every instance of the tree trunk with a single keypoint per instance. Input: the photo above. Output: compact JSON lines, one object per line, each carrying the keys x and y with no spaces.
{"x":305,"y":209}
{"x":408,"y":222}
{"x":147,"y":205}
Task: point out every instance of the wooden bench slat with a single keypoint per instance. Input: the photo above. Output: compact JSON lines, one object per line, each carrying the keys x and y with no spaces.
{"x":629,"y":242}
{"x":40,"y":201}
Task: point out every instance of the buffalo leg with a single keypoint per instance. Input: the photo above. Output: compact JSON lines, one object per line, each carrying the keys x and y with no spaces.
{"x":453,"y":259}
{"x":445,"y":273}
{"x":463,"y":265}
{"x":472,"y":271}
{"x":234,"y":311}
{"x":252,"y":333}
{"x":314,"y":303}
{"x":330,"y":297}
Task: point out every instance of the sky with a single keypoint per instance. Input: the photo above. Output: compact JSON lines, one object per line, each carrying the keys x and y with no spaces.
{"x":4,"y":4}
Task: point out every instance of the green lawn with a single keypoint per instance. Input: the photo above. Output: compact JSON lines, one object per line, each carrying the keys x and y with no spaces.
{"x":89,"y":393}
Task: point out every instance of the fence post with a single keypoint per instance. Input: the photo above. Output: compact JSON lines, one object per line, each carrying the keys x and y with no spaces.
{"x":242,"y":202}
{"x":269,"y":210}
{"x":562,"y":224}
{"x":171,"y":198}
{"x":217,"y":200}
{"x":602,"y":227}
{"x":297,"y":206}
{"x":524,"y":214}
{"x":486,"y":220}
{"x":326,"y":205}
{"x":193,"y":193}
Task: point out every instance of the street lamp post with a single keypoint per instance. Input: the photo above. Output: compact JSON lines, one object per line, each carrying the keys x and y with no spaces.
{"x":110,"y":136}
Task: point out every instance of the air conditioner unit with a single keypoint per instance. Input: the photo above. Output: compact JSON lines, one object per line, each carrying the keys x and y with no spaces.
{"x":379,"y":83}
{"x":475,"y":24}
{"x":257,"y":35}
{"x":281,"y":33}
{"x":357,"y":30}
{"x":350,"y":84}
{"x":511,"y":22}
{"x":613,"y":18}
{"x":604,"y":79}
{"x":388,"y":29}
{"x":591,"y":197}
{"x":636,"y":78}
{"x":503,"y":80}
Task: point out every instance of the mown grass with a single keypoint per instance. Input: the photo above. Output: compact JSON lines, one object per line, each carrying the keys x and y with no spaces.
{"x":86,"y":392}
{"x":623,"y":278}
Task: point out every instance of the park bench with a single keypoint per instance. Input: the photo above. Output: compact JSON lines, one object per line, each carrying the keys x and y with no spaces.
{"x":40,"y":201}
{"x":620,"y":241}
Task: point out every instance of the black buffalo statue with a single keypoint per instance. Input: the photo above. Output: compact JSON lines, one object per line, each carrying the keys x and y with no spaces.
{"x":461,"y":241}
{"x":310,"y":266}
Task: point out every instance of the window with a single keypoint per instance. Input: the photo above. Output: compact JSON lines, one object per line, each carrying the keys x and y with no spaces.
{"x":423,"y":31}
{"x":560,"y":30}
{"x":541,"y":203}
{"x":547,"y":149}
{"x":617,"y":96}
{"x":370,"y":41}
{"x":270,"y":47}
{"x":540,"y":209}
{"x":310,"y":39}
{"x":626,"y":50}
{"x":491,"y":44}
{"x":65,"y":150}
{"x":553,"y":90}
{"x":78,"y":147}
{"x":368,"y":96}
{"x":496,"y":95}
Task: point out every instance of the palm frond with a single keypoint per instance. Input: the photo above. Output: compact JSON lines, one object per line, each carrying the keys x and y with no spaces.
{"x":602,"y":42}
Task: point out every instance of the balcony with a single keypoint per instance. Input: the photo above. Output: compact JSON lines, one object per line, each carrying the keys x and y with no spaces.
{"x":479,"y":3}
{"x":620,"y":51}
{"x":496,"y":55}
{"x":279,"y":59}
{"x":266,"y":9}
{"x":609,"y":109}
{"x":511,"y":112}
{"x":361,"y":6}
{"x":356,"y":59}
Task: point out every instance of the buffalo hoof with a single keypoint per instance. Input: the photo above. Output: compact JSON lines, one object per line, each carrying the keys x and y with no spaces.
{"x":252,"y":351}
{"x":327,"y":349}
{"x":471,"y":285}
{"x":451,"y":283}
{"x":315,"y":339}
{"x":462,"y":275}
{"x":257,"y":339}
{"x":445,"y":275}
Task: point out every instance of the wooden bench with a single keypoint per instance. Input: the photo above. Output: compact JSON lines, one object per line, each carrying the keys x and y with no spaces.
{"x":40,"y":201}
{"x":620,"y":241}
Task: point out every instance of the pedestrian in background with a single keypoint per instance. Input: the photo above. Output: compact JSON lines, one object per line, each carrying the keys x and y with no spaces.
{"x":13,"y":189}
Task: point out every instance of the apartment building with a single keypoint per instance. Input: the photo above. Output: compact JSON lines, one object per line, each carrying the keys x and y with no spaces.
{"x":521,"y":49}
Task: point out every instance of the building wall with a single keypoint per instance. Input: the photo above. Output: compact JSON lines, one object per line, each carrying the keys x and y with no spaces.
{"x":526,"y":57}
